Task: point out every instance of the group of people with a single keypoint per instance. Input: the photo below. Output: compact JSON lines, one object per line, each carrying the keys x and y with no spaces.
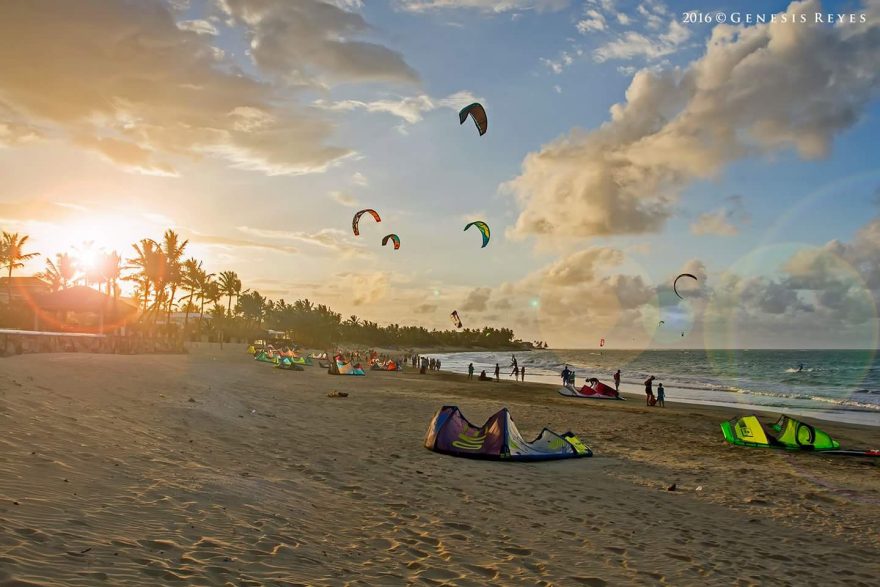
{"x":568,"y":379}
{"x":519,"y":373}
{"x":650,"y":400}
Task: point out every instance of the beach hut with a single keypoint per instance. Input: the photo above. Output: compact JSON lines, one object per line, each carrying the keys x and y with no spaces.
{"x":82,"y":309}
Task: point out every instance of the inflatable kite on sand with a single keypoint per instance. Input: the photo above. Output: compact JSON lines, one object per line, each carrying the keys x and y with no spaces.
{"x":339,"y":367}
{"x":498,"y":439}
{"x":596,"y":390}
{"x":786,"y":433}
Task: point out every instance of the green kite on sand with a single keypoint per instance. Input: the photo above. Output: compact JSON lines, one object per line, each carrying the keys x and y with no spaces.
{"x":786,"y":433}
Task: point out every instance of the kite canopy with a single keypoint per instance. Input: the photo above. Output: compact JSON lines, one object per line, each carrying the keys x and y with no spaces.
{"x":694,"y":277}
{"x":483,"y":228}
{"x":265,"y":357}
{"x":596,"y":390}
{"x":786,"y":433}
{"x":357,"y":219}
{"x":478,"y":113}
{"x":498,"y":439}
{"x":455,"y":319}
{"x":340,"y":367}
{"x":393,"y":238}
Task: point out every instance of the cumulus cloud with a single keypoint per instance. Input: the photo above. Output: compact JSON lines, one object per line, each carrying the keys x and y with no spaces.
{"x":367,"y":288}
{"x":122,"y":79}
{"x":477,"y":300}
{"x":757,"y":90}
{"x":483,"y":5}
{"x":724,"y":221}
{"x":313,"y":42}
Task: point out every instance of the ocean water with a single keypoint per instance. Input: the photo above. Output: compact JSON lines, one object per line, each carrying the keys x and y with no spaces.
{"x":841,"y":385}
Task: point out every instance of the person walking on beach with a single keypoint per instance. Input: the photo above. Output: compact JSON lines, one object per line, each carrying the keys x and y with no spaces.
{"x":513,"y":361}
{"x":515,"y":373}
{"x":661,"y":396}
{"x":497,"y":372}
{"x":649,"y":391}
{"x":617,"y":381}
{"x":471,"y":371}
{"x":522,"y":373}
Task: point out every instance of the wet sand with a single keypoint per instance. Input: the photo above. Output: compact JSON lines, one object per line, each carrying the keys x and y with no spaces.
{"x":213,"y":469}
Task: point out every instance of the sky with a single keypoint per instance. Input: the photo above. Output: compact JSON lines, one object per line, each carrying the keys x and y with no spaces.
{"x":628,"y":142}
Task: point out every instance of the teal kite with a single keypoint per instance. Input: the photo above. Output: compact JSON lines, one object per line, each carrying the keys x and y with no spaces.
{"x":393,"y":238}
{"x":483,"y":228}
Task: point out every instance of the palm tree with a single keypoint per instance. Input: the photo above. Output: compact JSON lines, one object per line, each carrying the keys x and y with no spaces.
{"x":59,"y":273}
{"x":190,"y":279}
{"x":173,"y":250}
{"x":150,"y":263}
{"x":209,"y":291}
{"x":230,"y":285}
{"x":110,"y":268}
{"x":12,"y":256}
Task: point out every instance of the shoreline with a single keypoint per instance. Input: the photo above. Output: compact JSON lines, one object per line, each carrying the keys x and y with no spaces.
{"x":742,"y":401}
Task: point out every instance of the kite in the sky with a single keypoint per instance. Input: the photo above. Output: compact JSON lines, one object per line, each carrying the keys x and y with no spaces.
{"x":483,"y":228}
{"x":694,"y":277}
{"x":455,"y":319}
{"x":357,"y":218}
{"x":478,"y":113}
{"x":393,"y":238}
{"x":601,"y":342}
{"x":661,"y":323}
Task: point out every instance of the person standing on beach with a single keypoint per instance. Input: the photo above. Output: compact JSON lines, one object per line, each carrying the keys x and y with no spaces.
{"x":471,"y":371}
{"x":617,"y":381}
{"x":522,"y":373}
{"x":564,"y":375}
{"x":497,"y":372}
{"x":649,"y":391}
{"x":661,"y":396}
{"x":515,"y":373}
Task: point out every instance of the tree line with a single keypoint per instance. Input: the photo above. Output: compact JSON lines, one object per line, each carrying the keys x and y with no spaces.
{"x":166,"y":281}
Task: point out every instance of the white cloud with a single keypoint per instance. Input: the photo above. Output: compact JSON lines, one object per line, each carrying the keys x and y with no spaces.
{"x":312,"y":42}
{"x":411,"y":109}
{"x":724,"y":221}
{"x":344,"y":199}
{"x":141,"y":92}
{"x":359,"y":178}
{"x":593,"y":20}
{"x":483,"y":5}
{"x":757,"y":89}
{"x":633,"y":44}
{"x":200,"y":27}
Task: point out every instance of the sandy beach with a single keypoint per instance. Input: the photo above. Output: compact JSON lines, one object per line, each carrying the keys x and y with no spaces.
{"x":212,"y":469}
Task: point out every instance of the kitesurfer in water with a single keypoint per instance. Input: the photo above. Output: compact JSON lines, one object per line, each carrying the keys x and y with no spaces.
{"x":800,"y":367}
